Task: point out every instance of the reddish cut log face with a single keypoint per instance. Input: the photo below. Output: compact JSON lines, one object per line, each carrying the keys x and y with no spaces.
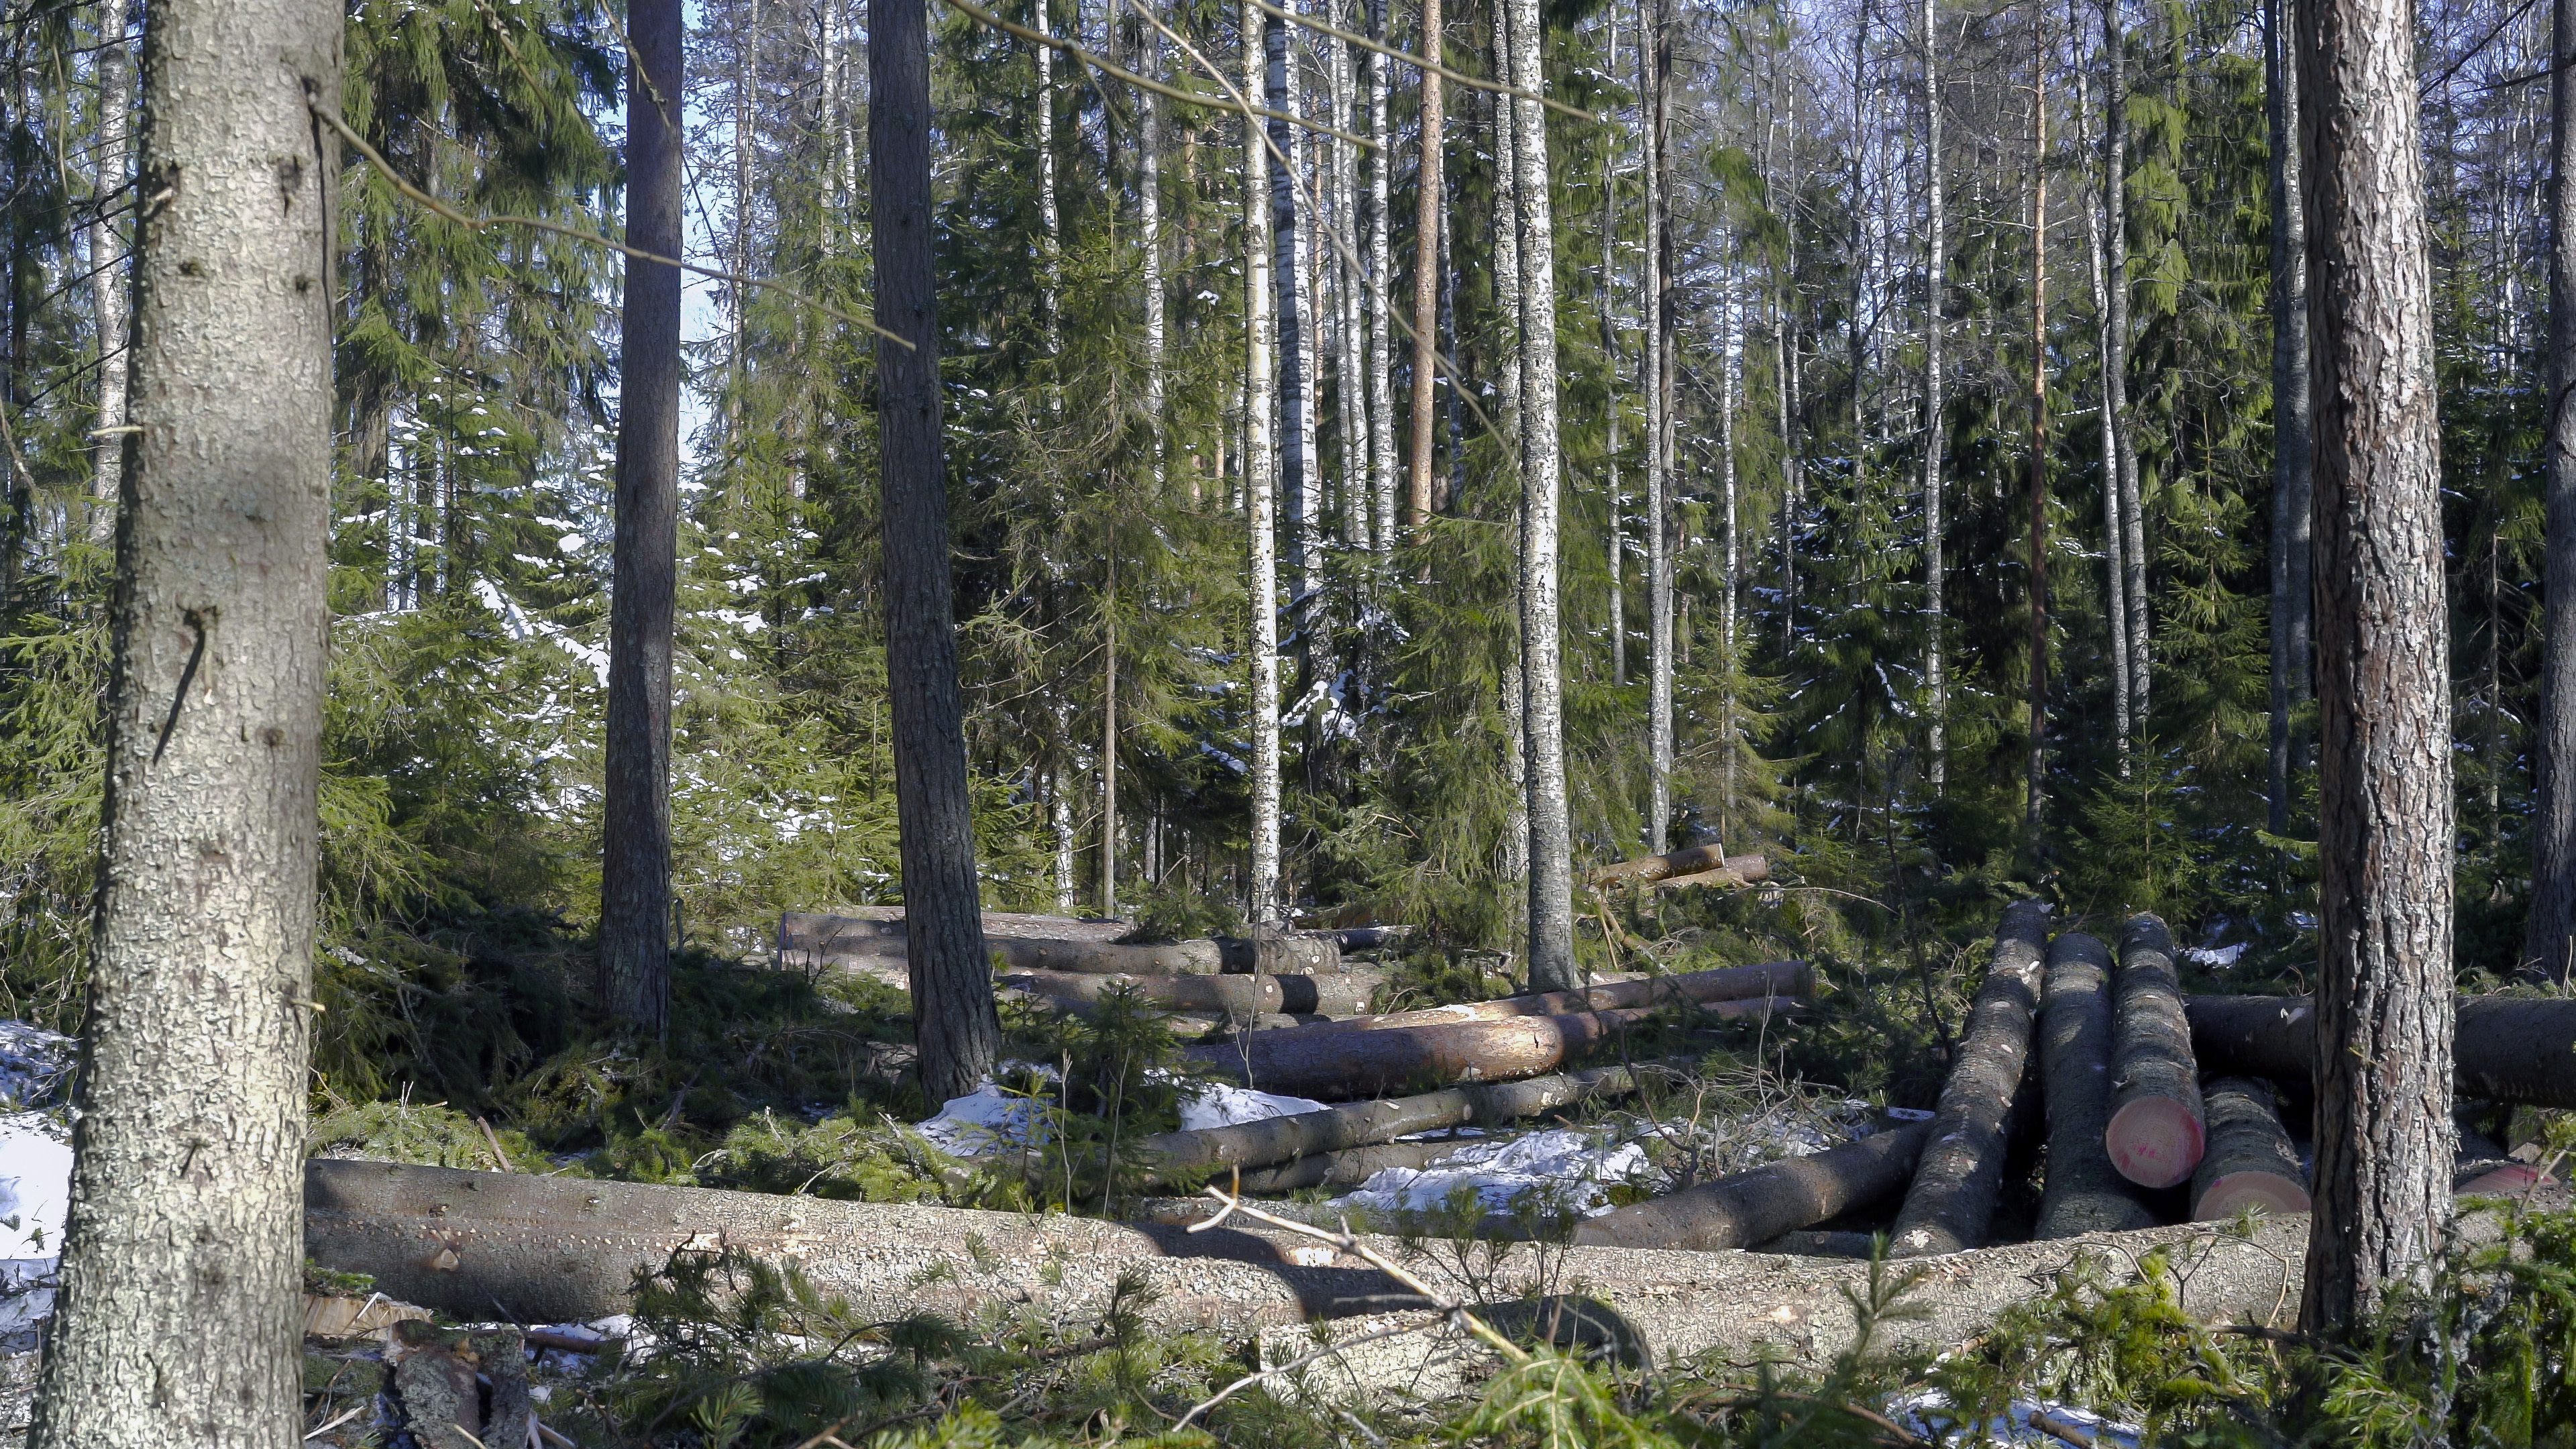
{"x":2270,"y":1192}
{"x":2155,"y":1142}
{"x":2511,"y":1181}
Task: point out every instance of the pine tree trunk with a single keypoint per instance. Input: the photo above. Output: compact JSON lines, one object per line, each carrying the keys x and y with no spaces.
{"x":2383,"y":1121}
{"x":635,"y":874}
{"x":954,"y":1024}
{"x":2293,"y":438}
{"x":2115,"y":361}
{"x":1655,"y":62}
{"x":1551,"y":847}
{"x":1936,"y":291}
{"x":1429,"y":200}
{"x":2550,"y":947}
{"x":1380,"y":259}
{"x":107,"y":284}
{"x":2115,"y":581}
{"x":1260,"y":489}
{"x":177,"y":1319}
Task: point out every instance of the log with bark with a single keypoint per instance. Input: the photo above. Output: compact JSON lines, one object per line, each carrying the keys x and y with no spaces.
{"x":1952,"y":1198}
{"x":1236,"y":995}
{"x":1347,"y":1065}
{"x":1361,"y":1124}
{"x":1111,"y":958}
{"x":2250,"y":1162}
{"x":879,"y":931}
{"x":1698,"y":860}
{"x":1727,"y":991}
{"x":1347,"y":1168}
{"x":1319,"y":954}
{"x":2156,"y":1132}
{"x":550,"y":1250}
{"x":1757,"y":1206}
{"x":2084,"y":1193}
{"x":2507,"y":1049}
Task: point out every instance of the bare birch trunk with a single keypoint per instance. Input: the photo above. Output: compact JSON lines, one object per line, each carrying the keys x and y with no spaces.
{"x":2550,"y":943}
{"x":1050,"y":219}
{"x":1381,"y":340}
{"x":2035,"y":798}
{"x":1296,"y":423}
{"x":2115,"y":582}
{"x":1504,"y":128}
{"x":1149,"y":240}
{"x":1654,"y":66}
{"x":177,"y":1319}
{"x":1936,"y":433}
{"x":2384,"y":1135}
{"x":2115,"y":365}
{"x":1260,"y":484}
{"x":1551,"y":843}
{"x":107,"y":284}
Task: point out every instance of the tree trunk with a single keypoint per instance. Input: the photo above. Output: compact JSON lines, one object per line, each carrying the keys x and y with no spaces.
{"x":2083,"y":1194}
{"x":2116,"y":580}
{"x":1952,"y":1198}
{"x":1605,"y":294}
{"x":1936,"y":293}
{"x":2251,"y":1163}
{"x":178,"y":1310}
{"x":954,"y":1023}
{"x":1109,"y":744}
{"x":107,"y":284}
{"x":2549,"y":946}
{"x":2158,"y":1126}
{"x":1654,"y":82}
{"x":1350,"y":404}
{"x":2383,"y":1123}
{"x":1050,"y":218}
{"x":1757,"y":1206}
{"x":635,"y":871}
{"x":1427,"y":269}
{"x":1260,"y":488}
{"x":1296,"y":424}
{"x":2115,"y":361}
{"x":1149,"y":242}
{"x":1551,"y":842}
{"x":2035,"y":790}
{"x":1756,"y":986}
{"x":1381,"y":274}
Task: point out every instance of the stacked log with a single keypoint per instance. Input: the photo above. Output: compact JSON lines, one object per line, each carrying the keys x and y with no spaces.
{"x":1698,"y":861}
{"x":2250,"y":1162}
{"x":1728,"y":991}
{"x":2519,"y":1049}
{"x":2156,"y":1134}
{"x":2084,"y":1193}
{"x":1347,"y":1065}
{"x":1953,"y":1195}
{"x":1760,"y":1205}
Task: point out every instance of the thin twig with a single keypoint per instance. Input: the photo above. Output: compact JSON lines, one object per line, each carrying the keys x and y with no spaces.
{"x":385,"y":168}
{"x":335,"y":1423}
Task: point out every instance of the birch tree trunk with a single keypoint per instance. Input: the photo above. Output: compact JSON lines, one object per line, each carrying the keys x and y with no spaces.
{"x":955,"y":1026}
{"x":1506,"y":237}
{"x":1607,"y":291}
{"x":2115,"y":581}
{"x":2115,"y":363}
{"x":1551,"y":847}
{"x":1654,"y":65}
{"x":2384,"y":1136}
{"x":1350,"y":391}
{"x":1050,"y":219}
{"x":635,"y":874}
{"x":1149,"y":241}
{"x":1296,"y":425}
{"x":107,"y":282}
{"x":2035,"y":791}
{"x":2550,"y":944}
{"x":1381,"y":341}
{"x":1430,"y":197}
{"x":178,"y":1313}
{"x":1260,"y":484}
{"x":1936,"y":433}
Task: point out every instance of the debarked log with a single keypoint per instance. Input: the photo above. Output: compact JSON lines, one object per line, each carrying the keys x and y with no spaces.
{"x":1344,"y":1066}
{"x":2506,"y":1048}
{"x":2157,"y":1130}
{"x":1699,"y":859}
{"x":1757,"y":1206}
{"x":1727,"y":991}
{"x":1275,"y":1140}
{"x":1952,"y":1199}
{"x":542,"y":1249}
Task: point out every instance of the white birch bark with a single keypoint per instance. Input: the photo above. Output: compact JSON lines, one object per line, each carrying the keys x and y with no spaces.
{"x":1654,"y":58}
{"x":1936,"y":433}
{"x":2114,"y":536}
{"x":1260,"y":481}
{"x":107,"y":270}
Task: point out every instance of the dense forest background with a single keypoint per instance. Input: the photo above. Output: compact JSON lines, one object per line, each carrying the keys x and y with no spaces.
{"x":1092,"y":246}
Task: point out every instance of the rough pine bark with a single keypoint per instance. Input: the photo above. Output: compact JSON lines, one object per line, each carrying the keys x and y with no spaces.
{"x":1757,"y":1206}
{"x":1952,"y":1198}
{"x":1429,"y":200}
{"x":178,"y":1315}
{"x":1260,"y":488}
{"x":1551,"y":841}
{"x":2083,"y":1194}
{"x":107,"y":286}
{"x":2549,"y":945}
{"x":635,"y":867}
{"x":954,"y":1024}
{"x":2383,"y":1118}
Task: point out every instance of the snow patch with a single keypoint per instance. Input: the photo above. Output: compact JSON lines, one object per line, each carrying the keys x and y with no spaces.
{"x":1573,"y":1168}
{"x":1217,"y":1104}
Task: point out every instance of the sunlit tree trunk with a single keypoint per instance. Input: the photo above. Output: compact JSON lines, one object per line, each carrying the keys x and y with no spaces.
{"x":1654,"y":67}
{"x":1379,"y":259}
{"x":2384,"y":1137}
{"x":107,"y":272}
{"x":2115,"y":363}
{"x":2116,"y":579}
{"x":2035,"y":789}
{"x":2550,"y":946}
{"x":1296,"y":422}
{"x":1260,"y":484}
{"x":1936,"y":432}
{"x":1149,"y":241}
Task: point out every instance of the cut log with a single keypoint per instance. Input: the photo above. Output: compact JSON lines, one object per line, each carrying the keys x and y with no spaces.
{"x":1345,"y":993}
{"x":1371,"y":938}
{"x":1726,"y":991}
{"x":1362,"y":1124}
{"x":1757,"y":1206}
{"x":1342,"y":1066}
{"x":1349,"y":1167}
{"x":1724,"y":878}
{"x":1109,"y":958}
{"x":2084,"y":1193}
{"x":879,"y":931}
{"x":2156,"y":1133}
{"x":1953,"y":1195}
{"x":1239,"y":995}
{"x":2507,"y":1048}
{"x":2250,"y":1162}
{"x":1289,"y":955}
{"x":1693,"y":861}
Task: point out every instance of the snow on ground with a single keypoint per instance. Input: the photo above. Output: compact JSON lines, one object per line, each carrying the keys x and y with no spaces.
{"x":35,"y":1186}
{"x":2038,"y":1422}
{"x":1219,"y":1104}
{"x":1570,"y":1169}
{"x":34,"y":1063}
{"x":994,"y":1116}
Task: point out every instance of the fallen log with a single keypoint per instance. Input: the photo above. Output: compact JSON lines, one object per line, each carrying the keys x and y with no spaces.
{"x":1237,"y":995}
{"x":1349,"y":1167}
{"x":1371,"y":938}
{"x":1110,"y":958}
{"x":879,"y":931}
{"x":2084,"y":1193}
{"x":1361,"y":1124}
{"x":1346,"y":1065}
{"x":1345,"y":993}
{"x":2250,"y":1162}
{"x":1952,"y":1198}
{"x":1728,"y":991}
{"x":1757,"y":1206}
{"x":2505,"y":1049}
{"x":2157,"y":1129}
{"x":1697,"y":859}
{"x":552,"y":1250}
{"x":1283,"y":955}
